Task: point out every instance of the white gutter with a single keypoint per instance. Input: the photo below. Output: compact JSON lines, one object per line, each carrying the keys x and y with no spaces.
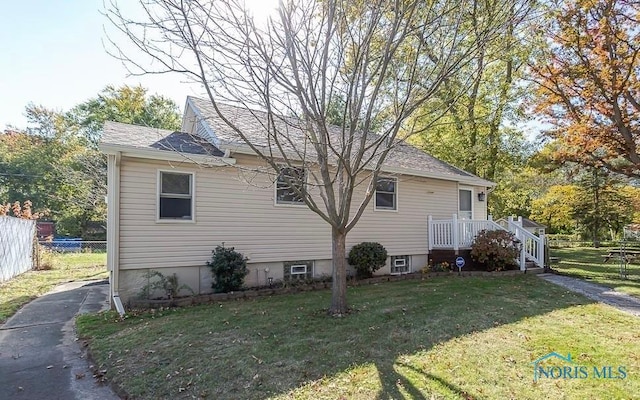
{"x":113,"y":228}
{"x":166,"y":155}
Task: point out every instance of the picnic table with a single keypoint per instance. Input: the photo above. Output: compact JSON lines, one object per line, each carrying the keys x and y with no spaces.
{"x":626,"y":255}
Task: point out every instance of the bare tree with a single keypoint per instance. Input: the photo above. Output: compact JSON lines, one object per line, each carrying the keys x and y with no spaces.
{"x":385,"y":59}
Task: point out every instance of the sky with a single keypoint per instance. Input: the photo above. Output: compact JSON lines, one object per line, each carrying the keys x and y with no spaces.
{"x":52,"y":53}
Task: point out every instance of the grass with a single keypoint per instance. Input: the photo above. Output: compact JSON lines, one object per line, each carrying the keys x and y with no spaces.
{"x":442,"y":338}
{"x":65,"y":268}
{"x":587,"y":263}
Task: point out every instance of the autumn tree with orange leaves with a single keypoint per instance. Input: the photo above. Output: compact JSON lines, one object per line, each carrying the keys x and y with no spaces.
{"x":588,"y":83}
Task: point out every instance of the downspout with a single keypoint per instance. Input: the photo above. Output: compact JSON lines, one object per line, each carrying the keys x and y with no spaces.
{"x":113,"y":229}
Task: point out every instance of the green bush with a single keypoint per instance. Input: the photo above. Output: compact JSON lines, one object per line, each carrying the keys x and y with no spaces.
{"x":367,"y":257}
{"x":497,"y":250}
{"x":228,"y":268}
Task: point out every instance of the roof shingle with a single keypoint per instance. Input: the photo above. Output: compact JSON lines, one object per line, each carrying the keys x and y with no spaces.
{"x":404,"y":155}
{"x":116,"y":133}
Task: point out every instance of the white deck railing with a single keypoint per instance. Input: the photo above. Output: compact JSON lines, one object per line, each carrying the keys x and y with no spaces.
{"x":455,"y":234}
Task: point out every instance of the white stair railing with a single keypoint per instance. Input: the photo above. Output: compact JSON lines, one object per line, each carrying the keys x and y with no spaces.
{"x":532,"y":246}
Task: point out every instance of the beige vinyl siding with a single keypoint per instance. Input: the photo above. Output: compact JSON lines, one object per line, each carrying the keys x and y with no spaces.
{"x":243,"y":215}
{"x":480,"y":207}
{"x":404,"y":232}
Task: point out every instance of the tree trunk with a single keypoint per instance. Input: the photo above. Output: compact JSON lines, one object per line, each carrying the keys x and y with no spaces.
{"x":339,"y":274}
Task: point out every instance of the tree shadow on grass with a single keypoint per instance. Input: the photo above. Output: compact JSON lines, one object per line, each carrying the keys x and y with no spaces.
{"x":454,"y":389}
{"x":262,"y":348}
{"x":392,"y":381}
{"x":426,"y":314}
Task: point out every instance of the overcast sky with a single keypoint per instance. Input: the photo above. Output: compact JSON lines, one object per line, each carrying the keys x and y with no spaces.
{"x":52,"y":53}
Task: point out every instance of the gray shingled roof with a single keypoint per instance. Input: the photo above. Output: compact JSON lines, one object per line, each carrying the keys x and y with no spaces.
{"x":403,"y":156}
{"x":527,"y":223}
{"x":143,"y":137}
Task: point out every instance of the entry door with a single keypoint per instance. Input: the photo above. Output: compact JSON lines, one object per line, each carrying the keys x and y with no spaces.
{"x":465,"y":209}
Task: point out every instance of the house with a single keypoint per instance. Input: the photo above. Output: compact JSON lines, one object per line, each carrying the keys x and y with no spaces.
{"x":174,"y":196}
{"x":526,"y":223}
{"x":46,"y":230}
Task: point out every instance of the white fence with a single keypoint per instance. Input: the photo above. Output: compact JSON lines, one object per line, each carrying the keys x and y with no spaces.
{"x":16,"y":246}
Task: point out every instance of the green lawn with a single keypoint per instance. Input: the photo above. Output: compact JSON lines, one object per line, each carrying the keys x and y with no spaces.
{"x":587,"y":263}
{"x":65,"y":268}
{"x":442,"y":338}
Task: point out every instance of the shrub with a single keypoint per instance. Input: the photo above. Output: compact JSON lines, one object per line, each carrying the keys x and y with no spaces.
{"x":441,"y":267}
{"x":367,"y":257}
{"x":497,"y":250}
{"x":169,"y":285}
{"x":45,"y":259}
{"x":228,"y":268}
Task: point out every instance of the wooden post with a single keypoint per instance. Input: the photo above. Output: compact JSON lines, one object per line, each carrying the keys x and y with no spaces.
{"x":455,"y":233}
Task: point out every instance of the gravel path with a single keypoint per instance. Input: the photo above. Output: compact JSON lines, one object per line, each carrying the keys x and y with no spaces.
{"x":600,"y":293}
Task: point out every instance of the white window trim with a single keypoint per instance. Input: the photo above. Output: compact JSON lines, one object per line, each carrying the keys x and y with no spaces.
{"x":193,"y":197}
{"x":407,"y":264}
{"x":395,"y":178}
{"x":473,"y":200}
{"x":402,"y":264}
{"x":275,"y":189}
{"x":298,"y":266}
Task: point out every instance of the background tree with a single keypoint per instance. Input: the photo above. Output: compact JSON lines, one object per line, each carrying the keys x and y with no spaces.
{"x":555,"y":209}
{"x":126,"y":104}
{"x":517,"y":189}
{"x":602,"y":208}
{"x":481,"y":97}
{"x":588,"y":86}
{"x":56,"y":164}
{"x":596,"y":205}
{"x":384,"y":59}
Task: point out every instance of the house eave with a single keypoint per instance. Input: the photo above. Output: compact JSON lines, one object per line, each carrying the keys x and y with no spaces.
{"x":245,"y":149}
{"x":165,"y":155}
{"x":433,"y":175}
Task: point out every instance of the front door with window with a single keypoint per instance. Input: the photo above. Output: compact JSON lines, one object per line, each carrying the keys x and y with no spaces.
{"x":465,"y":209}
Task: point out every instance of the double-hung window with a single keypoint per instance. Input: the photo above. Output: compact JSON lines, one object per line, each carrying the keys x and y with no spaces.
{"x":175,"y":196}
{"x":386,"y":194}
{"x":290,"y":185}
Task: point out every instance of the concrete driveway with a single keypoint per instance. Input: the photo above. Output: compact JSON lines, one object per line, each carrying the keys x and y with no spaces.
{"x":39,"y":355}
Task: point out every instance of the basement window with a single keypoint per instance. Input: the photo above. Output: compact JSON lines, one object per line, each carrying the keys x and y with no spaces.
{"x":298,"y":270}
{"x":400,"y":265}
